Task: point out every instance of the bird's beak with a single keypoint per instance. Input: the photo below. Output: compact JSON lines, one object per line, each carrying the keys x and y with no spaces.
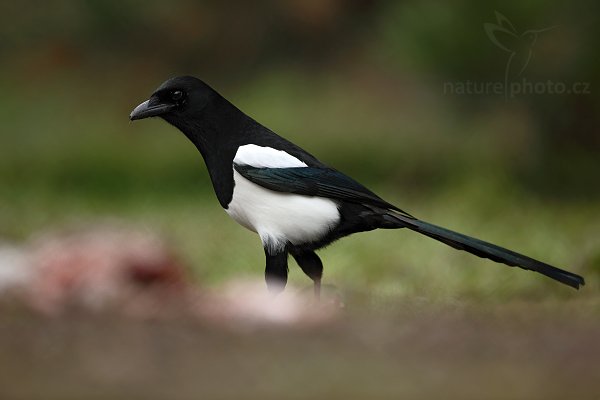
{"x":150,"y":108}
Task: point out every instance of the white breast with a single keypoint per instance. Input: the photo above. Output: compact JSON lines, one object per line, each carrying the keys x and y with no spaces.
{"x":277,"y":217}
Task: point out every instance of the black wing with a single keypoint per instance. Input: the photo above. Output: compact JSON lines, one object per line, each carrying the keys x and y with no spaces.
{"x":310,"y":181}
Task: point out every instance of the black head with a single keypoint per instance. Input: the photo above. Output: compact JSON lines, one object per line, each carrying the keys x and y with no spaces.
{"x":175,"y":98}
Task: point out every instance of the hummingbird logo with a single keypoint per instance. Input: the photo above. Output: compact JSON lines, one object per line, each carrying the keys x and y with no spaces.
{"x":519,"y":46}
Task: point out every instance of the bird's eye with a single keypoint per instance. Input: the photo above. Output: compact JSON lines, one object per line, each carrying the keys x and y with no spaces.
{"x":177,"y":95}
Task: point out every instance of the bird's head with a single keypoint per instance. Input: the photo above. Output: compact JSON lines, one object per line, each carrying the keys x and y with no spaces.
{"x":175,"y":99}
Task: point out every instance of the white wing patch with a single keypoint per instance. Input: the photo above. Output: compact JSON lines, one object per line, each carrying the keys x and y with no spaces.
{"x":265,"y":157}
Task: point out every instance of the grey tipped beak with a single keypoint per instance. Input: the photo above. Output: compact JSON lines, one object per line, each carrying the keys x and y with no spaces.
{"x":146,"y":110}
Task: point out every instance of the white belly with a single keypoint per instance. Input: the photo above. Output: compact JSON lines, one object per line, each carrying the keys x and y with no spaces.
{"x":281,"y":217}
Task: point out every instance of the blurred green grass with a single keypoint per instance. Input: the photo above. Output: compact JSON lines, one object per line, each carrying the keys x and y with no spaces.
{"x":73,"y":159}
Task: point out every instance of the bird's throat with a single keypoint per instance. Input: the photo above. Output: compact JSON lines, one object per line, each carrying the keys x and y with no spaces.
{"x":217,"y":131}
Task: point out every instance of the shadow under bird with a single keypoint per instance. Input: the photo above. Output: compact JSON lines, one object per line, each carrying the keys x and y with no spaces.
{"x":294,"y":202}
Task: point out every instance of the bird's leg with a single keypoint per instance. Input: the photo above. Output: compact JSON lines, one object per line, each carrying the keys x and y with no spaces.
{"x":312,"y":266}
{"x":317,"y":288}
{"x":276,"y":271}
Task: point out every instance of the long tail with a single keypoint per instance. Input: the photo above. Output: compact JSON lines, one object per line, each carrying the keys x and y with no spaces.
{"x":483,"y":249}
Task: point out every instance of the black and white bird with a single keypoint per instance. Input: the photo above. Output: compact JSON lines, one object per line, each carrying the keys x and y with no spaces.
{"x":294,"y":202}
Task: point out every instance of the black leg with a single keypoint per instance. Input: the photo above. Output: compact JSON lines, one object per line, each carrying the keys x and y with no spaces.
{"x":276,"y":272}
{"x":312,"y":266}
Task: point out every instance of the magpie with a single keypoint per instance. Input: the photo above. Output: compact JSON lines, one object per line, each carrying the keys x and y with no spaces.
{"x":293,"y":201}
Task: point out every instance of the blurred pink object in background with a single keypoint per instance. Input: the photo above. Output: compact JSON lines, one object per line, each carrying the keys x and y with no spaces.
{"x":134,"y":272}
{"x":103,"y":267}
